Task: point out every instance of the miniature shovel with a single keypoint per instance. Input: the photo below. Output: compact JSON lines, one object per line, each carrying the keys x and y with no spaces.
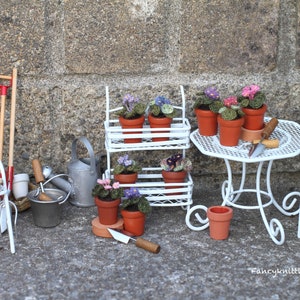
{"x":257,"y":149}
{"x":139,"y":242}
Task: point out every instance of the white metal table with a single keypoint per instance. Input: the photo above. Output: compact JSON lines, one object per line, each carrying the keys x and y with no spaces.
{"x":288,"y":133}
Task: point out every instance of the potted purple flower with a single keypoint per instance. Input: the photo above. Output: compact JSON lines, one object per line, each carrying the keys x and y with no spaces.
{"x":134,"y":209}
{"x":132,"y":115}
{"x":161,"y":114}
{"x":175,"y":169}
{"x":126,"y":170}
{"x":206,"y":107}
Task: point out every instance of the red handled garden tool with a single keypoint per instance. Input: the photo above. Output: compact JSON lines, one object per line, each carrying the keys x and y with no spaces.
{"x":4,"y":88}
{"x":259,"y":147}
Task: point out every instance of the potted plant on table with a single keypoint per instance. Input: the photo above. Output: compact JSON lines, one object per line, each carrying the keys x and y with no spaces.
{"x":175,"y":169}
{"x":253,"y":105}
{"x":134,"y":209}
{"x":161,"y":114}
{"x":132,"y":115}
{"x":107,"y":194}
{"x":230,"y":120}
{"x":206,"y":108}
{"x":126,"y":170}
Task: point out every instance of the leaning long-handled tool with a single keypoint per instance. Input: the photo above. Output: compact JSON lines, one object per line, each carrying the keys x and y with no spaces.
{"x":10,"y":169}
{"x":3,"y":91}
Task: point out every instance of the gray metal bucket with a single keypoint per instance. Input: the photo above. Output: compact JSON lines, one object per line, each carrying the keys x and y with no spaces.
{"x":47,"y":213}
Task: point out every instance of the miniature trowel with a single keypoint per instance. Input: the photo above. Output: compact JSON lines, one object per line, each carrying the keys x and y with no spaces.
{"x":259,"y":148}
{"x":139,"y":242}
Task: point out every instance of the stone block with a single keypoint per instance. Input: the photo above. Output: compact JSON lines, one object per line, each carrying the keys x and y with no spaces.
{"x":110,"y":37}
{"x":215,"y":36}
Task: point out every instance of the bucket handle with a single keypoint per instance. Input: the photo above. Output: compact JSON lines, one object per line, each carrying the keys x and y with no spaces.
{"x":88,"y":146}
{"x":70,"y":182}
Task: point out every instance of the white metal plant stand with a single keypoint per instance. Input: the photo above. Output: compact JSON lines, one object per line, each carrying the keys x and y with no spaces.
{"x":288,"y":133}
{"x":150,"y":182}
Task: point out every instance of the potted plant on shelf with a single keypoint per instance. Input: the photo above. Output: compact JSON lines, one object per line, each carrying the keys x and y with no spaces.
{"x":107,"y":195}
{"x":175,"y":169}
{"x":206,"y":108}
{"x":230,"y":120}
{"x":134,"y":209}
{"x":161,"y":114}
{"x":126,"y":170}
{"x":253,"y":105}
{"x":132,"y":115}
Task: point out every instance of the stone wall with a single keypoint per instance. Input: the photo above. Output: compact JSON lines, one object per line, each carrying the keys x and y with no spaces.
{"x":67,"y":51}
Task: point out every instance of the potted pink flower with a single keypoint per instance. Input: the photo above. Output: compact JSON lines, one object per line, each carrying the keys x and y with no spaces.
{"x":107,"y":195}
{"x":253,"y":105}
{"x":230,"y":120}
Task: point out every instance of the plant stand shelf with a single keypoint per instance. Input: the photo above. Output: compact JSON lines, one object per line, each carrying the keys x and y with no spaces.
{"x":150,"y":182}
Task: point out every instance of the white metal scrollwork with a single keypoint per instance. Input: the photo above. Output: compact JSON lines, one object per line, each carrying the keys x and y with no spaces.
{"x":194,"y":212}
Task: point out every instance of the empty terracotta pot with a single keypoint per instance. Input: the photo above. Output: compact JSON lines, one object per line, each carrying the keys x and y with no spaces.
{"x":219,"y":221}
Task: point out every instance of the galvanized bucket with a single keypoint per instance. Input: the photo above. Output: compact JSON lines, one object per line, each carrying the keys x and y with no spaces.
{"x":84,"y":173}
{"x":48,"y":213}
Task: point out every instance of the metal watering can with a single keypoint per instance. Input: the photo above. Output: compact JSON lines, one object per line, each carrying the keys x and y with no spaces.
{"x":84,"y":173}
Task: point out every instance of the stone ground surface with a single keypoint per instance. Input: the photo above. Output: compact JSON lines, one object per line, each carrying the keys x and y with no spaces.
{"x":69,"y":262}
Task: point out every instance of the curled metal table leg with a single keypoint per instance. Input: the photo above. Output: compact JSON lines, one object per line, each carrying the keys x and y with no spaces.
{"x":274,"y":228}
{"x":194,"y":212}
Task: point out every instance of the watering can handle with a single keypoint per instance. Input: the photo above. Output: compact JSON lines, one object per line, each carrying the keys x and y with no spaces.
{"x":88,"y":146}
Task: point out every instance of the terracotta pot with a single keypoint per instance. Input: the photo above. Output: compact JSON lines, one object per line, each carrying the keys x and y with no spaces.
{"x":250,"y":135}
{"x":107,"y":211}
{"x":219,"y":221}
{"x":254,"y":118}
{"x":207,"y":122}
{"x":159,"y":123}
{"x":134,"y":221}
{"x":126,"y":178}
{"x":172,"y":177}
{"x":230,"y":131}
{"x":132,"y":123}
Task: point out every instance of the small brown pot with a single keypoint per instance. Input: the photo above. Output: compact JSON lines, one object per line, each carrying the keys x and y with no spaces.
{"x":130,"y":124}
{"x":207,"y":122}
{"x":159,"y":123}
{"x":219,"y":221}
{"x":126,"y":178}
{"x":107,"y":211}
{"x":254,"y":118}
{"x":134,"y":221}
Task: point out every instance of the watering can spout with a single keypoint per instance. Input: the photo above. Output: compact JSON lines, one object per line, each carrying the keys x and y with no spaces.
{"x":59,"y":182}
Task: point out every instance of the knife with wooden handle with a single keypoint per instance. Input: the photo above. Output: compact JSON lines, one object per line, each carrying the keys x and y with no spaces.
{"x":139,"y":242}
{"x":258,"y":148}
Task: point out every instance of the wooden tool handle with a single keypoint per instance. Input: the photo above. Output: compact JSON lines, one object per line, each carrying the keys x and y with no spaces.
{"x":269,"y":128}
{"x":147,"y":245}
{"x":268,"y":143}
{"x":37,"y":171}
